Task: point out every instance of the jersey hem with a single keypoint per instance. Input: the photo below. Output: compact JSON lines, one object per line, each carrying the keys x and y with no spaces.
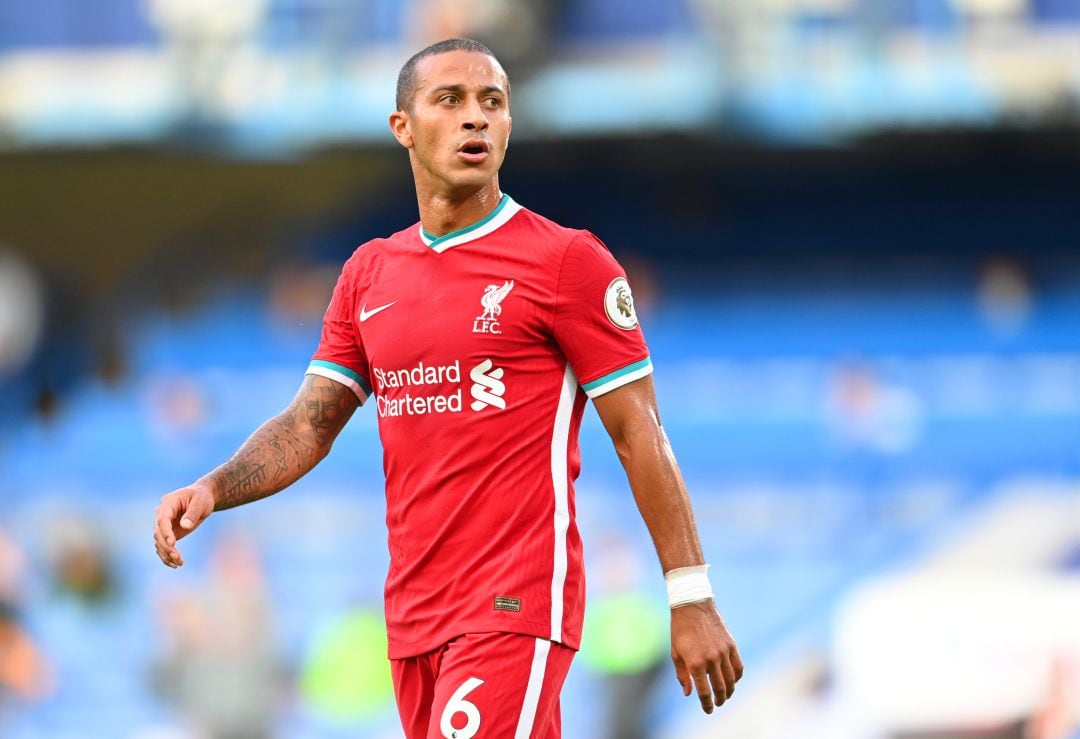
{"x":618,"y":378}
{"x":537,"y":629}
{"x":342,"y":374}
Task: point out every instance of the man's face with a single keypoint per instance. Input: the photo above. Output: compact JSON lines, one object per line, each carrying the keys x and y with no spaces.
{"x":458,"y":126}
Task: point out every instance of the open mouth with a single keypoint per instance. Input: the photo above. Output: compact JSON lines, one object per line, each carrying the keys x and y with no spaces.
{"x":474,"y":149}
{"x":474,"y":152}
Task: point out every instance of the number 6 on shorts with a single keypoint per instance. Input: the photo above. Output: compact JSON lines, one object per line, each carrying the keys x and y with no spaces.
{"x":458,"y":704}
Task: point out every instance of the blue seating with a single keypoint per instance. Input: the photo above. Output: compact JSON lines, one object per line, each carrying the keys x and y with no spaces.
{"x":792,"y":511}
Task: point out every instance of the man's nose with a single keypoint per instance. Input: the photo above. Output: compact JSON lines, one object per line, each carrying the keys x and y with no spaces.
{"x":473,"y":115}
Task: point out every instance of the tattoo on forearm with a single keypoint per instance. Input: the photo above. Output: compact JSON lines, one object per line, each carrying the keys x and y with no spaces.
{"x":286,"y":447}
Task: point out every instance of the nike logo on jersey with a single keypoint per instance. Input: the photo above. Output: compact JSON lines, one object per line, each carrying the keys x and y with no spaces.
{"x":366,"y":314}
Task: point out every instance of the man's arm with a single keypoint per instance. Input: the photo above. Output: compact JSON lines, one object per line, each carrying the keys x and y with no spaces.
{"x":278,"y":454}
{"x":701,"y":647}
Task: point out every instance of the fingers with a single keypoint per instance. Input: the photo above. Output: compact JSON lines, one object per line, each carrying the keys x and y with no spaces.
{"x":179,"y":514}
{"x":682,"y":674}
{"x":167,"y":553}
{"x":164,"y":536}
{"x":197,"y":511}
{"x":705,"y":655}
{"x":727,"y":675}
{"x":714,"y":682}
{"x":736,"y":663}
{"x":721,"y":686}
{"x":701,"y":682}
{"x":169,"y":557}
{"x":713,"y":678}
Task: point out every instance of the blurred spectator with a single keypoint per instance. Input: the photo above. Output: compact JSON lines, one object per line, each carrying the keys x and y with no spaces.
{"x":867,"y":413}
{"x":755,"y":37}
{"x":1057,"y":717}
{"x":177,"y":404}
{"x":346,"y":677}
{"x":82,"y":568}
{"x":204,"y":38}
{"x":625,"y":639}
{"x":993,"y":15}
{"x":88,"y":628}
{"x":22,"y":312}
{"x":1004,"y":296}
{"x":518,"y":32}
{"x":745,"y":33}
{"x":299,"y":295}
{"x":220,"y":669}
{"x":642,"y":276}
{"x":24,"y":673}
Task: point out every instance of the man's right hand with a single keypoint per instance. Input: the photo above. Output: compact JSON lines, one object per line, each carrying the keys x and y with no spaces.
{"x":180,"y":513}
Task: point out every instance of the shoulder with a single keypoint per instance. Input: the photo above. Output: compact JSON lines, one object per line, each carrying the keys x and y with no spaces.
{"x":543,"y":227}
{"x":378,"y":246}
{"x":371,"y":251}
{"x":560,"y":240}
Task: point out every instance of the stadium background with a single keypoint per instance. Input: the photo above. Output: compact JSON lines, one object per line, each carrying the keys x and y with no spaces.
{"x":853,"y":233}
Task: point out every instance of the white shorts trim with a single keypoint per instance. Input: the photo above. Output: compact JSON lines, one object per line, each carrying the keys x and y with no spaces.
{"x":532,"y":691}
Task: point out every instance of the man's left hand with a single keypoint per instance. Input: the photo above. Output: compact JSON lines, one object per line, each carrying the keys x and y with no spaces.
{"x":705,"y":656}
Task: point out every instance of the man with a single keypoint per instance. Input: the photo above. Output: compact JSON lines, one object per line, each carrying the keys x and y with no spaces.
{"x":480,"y":332}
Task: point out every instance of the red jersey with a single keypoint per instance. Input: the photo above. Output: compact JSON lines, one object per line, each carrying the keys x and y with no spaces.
{"x":479,"y":348}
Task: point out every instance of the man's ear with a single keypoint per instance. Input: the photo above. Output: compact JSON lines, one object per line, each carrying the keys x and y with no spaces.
{"x":400,"y":127}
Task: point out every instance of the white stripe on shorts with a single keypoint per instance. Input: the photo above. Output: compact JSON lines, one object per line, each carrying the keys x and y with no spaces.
{"x":532,"y":691}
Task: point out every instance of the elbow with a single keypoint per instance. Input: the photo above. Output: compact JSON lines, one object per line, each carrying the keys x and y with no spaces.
{"x":635,"y":438}
{"x":306,"y":435}
{"x":622,"y":448}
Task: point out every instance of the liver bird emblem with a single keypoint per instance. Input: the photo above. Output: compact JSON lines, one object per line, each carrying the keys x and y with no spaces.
{"x":492,"y":299}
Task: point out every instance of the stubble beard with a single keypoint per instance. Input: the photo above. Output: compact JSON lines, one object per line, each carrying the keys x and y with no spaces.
{"x":462,"y":179}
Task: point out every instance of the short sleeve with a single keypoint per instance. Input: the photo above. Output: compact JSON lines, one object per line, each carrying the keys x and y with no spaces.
{"x":340,"y":355}
{"x":595,"y":323}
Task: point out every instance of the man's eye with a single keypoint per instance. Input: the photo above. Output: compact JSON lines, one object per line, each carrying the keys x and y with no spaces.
{"x":494,"y":102}
{"x":448,"y":99}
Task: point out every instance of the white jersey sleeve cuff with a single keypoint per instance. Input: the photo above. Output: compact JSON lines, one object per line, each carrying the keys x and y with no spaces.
{"x":618,"y":378}
{"x":340,"y":373}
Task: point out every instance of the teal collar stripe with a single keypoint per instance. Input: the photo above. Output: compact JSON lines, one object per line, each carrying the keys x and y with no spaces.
{"x":436,"y":241}
{"x":342,"y":369}
{"x":646,"y":362}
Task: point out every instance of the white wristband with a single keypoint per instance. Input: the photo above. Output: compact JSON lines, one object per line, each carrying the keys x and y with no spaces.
{"x":688,"y":585}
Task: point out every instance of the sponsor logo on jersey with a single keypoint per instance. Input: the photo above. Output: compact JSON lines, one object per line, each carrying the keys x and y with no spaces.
{"x":421,"y":374}
{"x":488,"y":321}
{"x":619,"y":304}
{"x":502,"y":603}
{"x":488,"y":387}
{"x":437,"y":388}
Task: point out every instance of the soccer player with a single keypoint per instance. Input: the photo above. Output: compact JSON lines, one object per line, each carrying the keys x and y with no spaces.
{"x":479,"y":333}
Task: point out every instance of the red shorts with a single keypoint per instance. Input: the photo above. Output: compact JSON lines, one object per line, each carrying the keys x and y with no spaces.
{"x":495,"y":685}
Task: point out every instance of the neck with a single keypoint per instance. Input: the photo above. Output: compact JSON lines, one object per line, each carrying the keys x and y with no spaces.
{"x":442,"y":213}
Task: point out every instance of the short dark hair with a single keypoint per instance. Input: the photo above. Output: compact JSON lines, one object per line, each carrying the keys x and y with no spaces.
{"x":407,"y":82}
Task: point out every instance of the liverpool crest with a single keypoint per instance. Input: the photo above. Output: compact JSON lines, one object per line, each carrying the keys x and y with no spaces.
{"x":491,"y":301}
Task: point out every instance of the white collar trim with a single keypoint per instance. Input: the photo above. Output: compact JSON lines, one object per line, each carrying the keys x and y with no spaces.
{"x":503,"y":212}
